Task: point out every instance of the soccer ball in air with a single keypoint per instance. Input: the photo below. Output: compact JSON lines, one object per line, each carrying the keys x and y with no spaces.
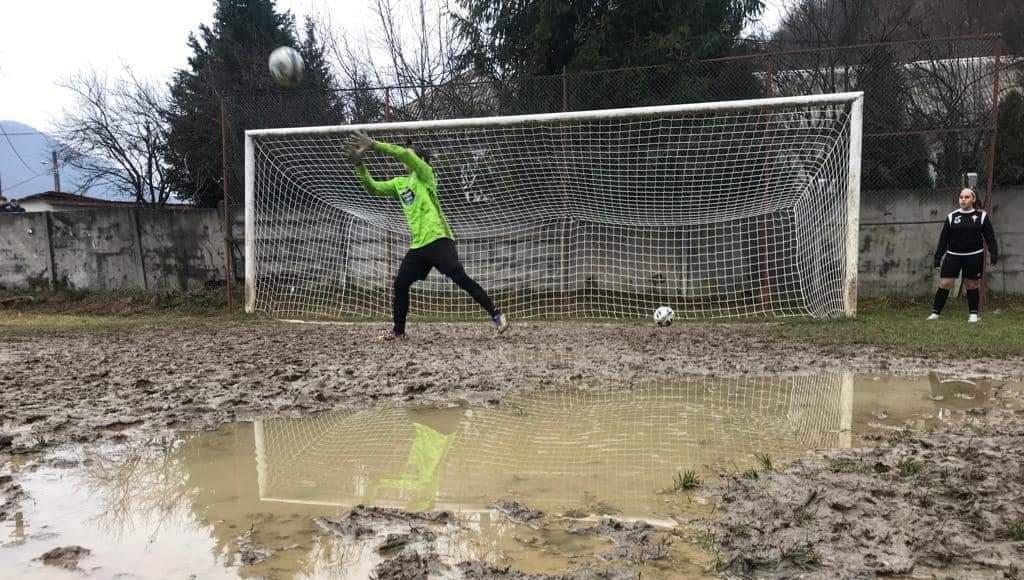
{"x":286,"y":66}
{"x":663,"y":316}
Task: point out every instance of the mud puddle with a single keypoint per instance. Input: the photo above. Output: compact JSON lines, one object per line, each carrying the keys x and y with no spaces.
{"x":566,"y":481}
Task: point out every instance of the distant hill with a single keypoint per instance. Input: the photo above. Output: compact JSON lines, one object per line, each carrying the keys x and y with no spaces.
{"x":27,"y":175}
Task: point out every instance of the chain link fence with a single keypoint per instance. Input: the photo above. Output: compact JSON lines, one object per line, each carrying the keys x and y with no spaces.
{"x":930,"y":116}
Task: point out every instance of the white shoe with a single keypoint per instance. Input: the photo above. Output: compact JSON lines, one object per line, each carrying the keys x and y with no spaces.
{"x":932,"y":316}
{"x":501,"y":323}
{"x":973,"y":318}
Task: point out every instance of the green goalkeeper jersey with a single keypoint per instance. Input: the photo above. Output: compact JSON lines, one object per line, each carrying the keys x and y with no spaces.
{"x":417,"y":192}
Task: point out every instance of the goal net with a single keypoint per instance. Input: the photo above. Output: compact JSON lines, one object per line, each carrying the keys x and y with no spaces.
{"x":554,"y":447}
{"x":739,"y":208}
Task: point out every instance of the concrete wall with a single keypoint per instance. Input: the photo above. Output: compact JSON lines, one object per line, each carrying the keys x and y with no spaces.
{"x":340,"y":261}
{"x":24,"y":251}
{"x":182,"y":250}
{"x":160,"y":250}
{"x":900,"y":230}
{"x":96,"y":250}
{"x":110,"y":249}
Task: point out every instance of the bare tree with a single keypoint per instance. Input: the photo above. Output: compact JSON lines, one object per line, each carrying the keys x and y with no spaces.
{"x":817,"y":25}
{"x":116,"y":135}
{"x":844,"y":22}
{"x":416,"y":50}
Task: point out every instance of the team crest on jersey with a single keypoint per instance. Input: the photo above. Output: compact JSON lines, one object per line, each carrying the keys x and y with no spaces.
{"x":974,"y":218}
{"x":408,"y":196}
{"x":956,"y":220}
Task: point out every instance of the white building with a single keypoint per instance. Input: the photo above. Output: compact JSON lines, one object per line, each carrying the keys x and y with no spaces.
{"x":60,"y":201}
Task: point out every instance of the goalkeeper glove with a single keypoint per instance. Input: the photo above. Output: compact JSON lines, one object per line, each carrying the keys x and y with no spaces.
{"x":994,"y":259}
{"x":359,"y":146}
{"x":938,"y":262}
{"x":355,"y":157}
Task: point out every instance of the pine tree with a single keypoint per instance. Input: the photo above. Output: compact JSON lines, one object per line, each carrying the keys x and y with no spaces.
{"x":889,"y":161}
{"x":543,"y":36}
{"x":228,"y":65}
{"x":1009,"y":163}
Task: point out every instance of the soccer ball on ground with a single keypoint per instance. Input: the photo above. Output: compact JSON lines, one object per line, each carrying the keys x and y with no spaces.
{"x":286,"y":66}
{"x":663,"y":316}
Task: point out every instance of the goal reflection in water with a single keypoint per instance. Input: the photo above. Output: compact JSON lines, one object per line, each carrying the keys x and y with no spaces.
{"x":554,"y":450}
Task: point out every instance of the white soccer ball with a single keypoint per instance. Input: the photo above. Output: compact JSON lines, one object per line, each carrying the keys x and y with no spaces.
{"x":663,"y":316}
{"x":286,"y":66}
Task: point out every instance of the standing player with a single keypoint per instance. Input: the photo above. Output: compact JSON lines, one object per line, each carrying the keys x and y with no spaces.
{"x":961,"y":249}
{"x":433,"y":243}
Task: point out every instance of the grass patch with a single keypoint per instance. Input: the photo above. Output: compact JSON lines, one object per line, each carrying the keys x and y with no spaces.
{"x":116,"y":302}
{"x":27,"y":313}
{"x":902,"y":435}
{"x":750,"y":474}
{"x":900,"y":326}
{"x":802,"y":556}
{"x":909,"y":467}
{"x":847,"y":465}
{"x":1016,"y":531}
{"x":766,"y":462}
{"x":708,"y":541}
{"x":686,"y":480}
{"x":741,"y":530}
{"x":15,"y":324}
{"x":802,"y":517}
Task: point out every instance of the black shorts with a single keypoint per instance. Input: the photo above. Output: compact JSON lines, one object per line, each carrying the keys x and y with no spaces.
{"x":973,"y":266}
{"x":440,"y":254}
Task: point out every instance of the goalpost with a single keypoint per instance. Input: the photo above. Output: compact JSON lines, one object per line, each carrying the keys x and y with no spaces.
{"x":735,"y":208}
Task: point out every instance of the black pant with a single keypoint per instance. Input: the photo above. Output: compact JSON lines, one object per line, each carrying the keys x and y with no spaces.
{"x":416,"y":265}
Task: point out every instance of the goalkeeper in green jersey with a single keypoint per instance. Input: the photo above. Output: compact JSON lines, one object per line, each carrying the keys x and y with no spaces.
{"x":433,"y":243}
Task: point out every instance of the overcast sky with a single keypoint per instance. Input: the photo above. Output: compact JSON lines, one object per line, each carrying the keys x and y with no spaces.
{"x":44,"y":41}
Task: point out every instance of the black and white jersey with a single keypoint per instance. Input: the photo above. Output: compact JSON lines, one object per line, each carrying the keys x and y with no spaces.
{"x":964,"y":232}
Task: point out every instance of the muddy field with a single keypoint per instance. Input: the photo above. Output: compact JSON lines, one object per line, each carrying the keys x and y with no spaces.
{"x":81,"y":386}
{"x":947,"y":502}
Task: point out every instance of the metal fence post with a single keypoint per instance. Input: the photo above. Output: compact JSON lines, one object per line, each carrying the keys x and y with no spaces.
{"x":565,"y":91}
{"x":229,"y":256}
{"x":993,"y":133}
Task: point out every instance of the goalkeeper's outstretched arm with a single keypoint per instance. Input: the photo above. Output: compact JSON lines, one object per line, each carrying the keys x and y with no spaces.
{"x":421,"y":168}
{"x":361,"y":143}
{"x":381,"y":188}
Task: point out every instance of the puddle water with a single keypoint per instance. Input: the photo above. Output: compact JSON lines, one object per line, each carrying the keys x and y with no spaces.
{"x":205,"y":506}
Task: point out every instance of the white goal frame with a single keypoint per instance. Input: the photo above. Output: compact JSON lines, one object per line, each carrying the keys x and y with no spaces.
{"x":855,"y":101}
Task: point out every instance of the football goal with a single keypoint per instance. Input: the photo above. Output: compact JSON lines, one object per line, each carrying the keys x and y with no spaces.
{"x":727,"y":209}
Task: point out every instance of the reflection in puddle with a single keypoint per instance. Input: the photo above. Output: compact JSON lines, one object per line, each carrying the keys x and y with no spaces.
{"x":551,"y":450}
{"x":242,"y":501}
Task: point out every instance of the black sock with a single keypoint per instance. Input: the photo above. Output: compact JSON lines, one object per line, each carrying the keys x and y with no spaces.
{"x":940,"y":300}
{"x":973,"y":298}
{"x":400,"y":306}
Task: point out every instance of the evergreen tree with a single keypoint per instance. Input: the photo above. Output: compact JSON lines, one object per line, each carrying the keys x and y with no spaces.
{"x":513,"y":41}
{"x":229,"y":65}
{"x":895,"y":161}
{"x":536,"y":37}
{"x":1009,"y":165}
